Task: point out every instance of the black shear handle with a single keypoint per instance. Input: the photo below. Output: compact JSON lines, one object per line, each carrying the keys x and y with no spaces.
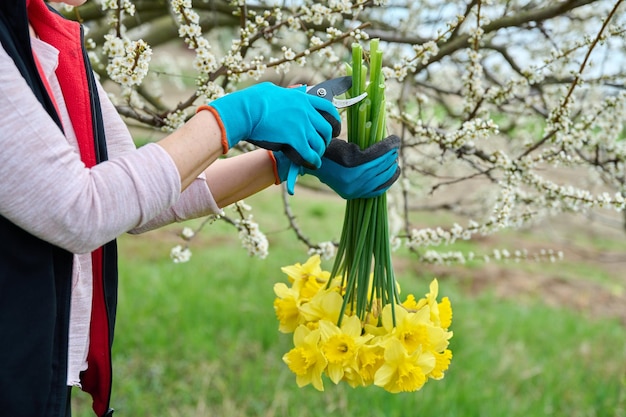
{"x":336,"y":124}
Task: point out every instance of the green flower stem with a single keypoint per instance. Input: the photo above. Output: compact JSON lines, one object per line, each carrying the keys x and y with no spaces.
{"x":364,"y":256}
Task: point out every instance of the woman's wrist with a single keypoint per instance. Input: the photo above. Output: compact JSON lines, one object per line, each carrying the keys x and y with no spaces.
{"x":194,"y":146}
{"x":238,"y":177}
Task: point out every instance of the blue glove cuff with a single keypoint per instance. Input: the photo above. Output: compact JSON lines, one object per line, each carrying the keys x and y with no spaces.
{"x":282,"y":165}
{"x":233,"y":125}
{"x":225,"y":144}
{"x":286,"y":170}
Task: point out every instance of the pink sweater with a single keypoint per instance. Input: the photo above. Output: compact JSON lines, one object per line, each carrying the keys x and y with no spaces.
{"x":47,"y":190}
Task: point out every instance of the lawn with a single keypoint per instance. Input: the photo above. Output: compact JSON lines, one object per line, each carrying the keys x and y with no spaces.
{"x":201,"y":338}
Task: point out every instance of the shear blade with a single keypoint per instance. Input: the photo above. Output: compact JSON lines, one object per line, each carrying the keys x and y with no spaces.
{"x":347,"y":102}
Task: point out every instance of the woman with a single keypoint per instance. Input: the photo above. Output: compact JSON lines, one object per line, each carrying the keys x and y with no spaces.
{"x":72,"y":181}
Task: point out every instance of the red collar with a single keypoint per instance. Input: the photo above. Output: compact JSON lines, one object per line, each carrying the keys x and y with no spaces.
{"x":65,"y":35}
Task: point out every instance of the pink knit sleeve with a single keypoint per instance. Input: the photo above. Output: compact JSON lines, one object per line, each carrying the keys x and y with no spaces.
{"x":47,"y":190}
{"x":196,"y":201}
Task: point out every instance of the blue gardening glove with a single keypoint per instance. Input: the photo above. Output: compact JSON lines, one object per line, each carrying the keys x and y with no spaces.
{"x":350,"y":171}
{"x":282,"y":119}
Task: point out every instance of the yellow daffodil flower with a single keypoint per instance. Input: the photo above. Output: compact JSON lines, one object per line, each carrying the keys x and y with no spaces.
{"x":409,"y":328}
{"x":311,"y":267}
{"x":445,"y":313}
{"x":410,"y":303}
{"x":325,"y":305}
{"x":403,"y":372}
{"x":370,"y":358}
{"x":305,"y":359}
{"x":340,"y":345}
{"x":286,"y":308}
{"x":415,"y":330}
{"x":307,"y":279}
{"x":430,"y":299}
{"x":442,"y":362}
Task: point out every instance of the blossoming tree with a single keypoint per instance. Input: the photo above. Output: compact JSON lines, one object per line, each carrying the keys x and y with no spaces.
{"x":519,"y":102}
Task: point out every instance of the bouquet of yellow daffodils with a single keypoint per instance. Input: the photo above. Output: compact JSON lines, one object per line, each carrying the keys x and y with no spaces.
{"x":350,"y":323}
{"x":398,"y":357}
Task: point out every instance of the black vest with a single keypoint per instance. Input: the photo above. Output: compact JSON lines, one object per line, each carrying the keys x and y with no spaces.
{"x":36,"y":276}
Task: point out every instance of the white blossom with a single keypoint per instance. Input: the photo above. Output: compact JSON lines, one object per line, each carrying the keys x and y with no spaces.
{"x":326,"y":250}
{"x":180,"y":254}
{"x":128,"y":60}
{"x":252,"y":239}
{"x":187,"y":233}
{"x":174,"y":121}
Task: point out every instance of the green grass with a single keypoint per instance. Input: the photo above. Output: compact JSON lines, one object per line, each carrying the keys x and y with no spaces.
{"x":201,"y":339}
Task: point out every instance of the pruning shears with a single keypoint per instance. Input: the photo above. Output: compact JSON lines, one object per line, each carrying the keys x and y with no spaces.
{"x":328,"y":90}
{"x":332,"y":88}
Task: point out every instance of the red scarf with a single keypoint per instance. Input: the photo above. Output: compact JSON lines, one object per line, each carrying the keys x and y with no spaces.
{"x":65,"y":35}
